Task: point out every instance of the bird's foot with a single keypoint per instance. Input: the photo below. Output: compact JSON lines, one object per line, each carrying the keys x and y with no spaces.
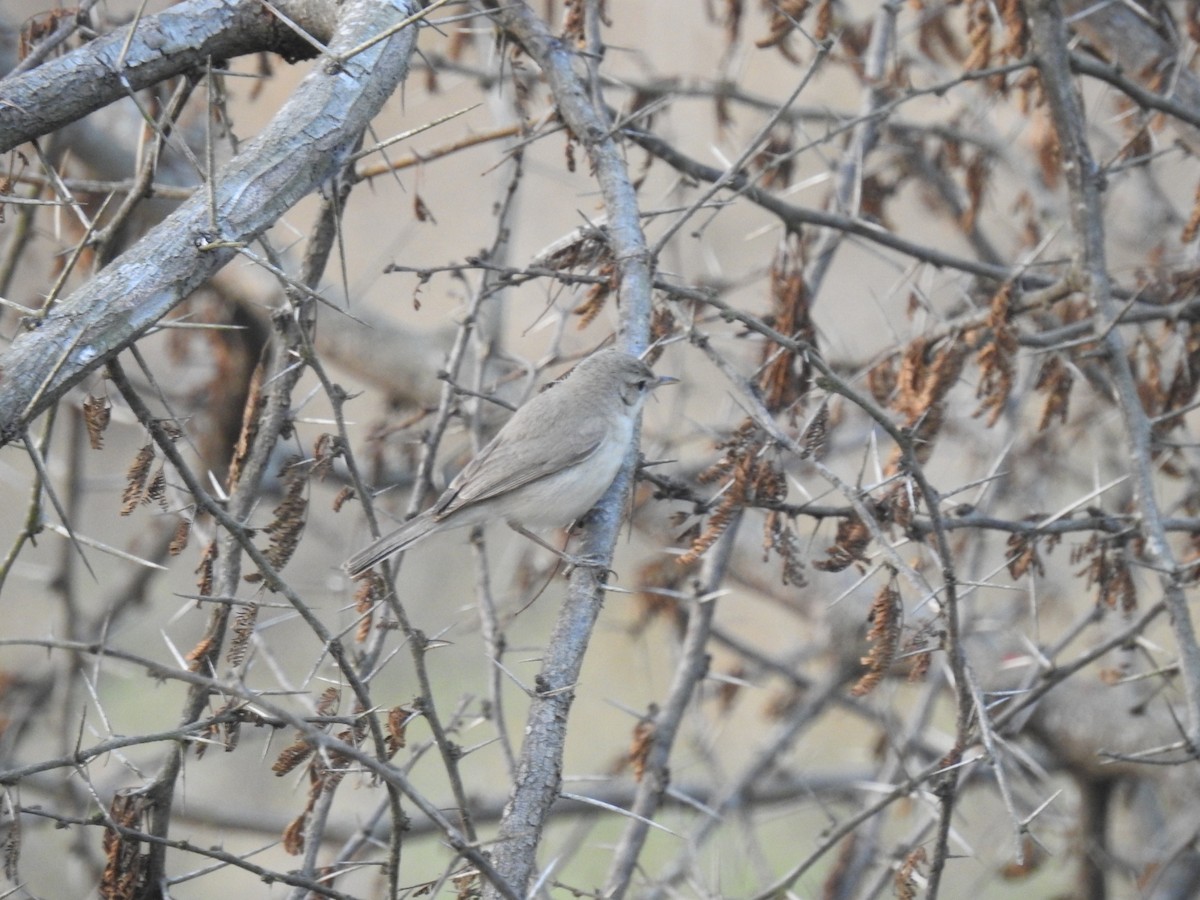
{"x":587,"y":562}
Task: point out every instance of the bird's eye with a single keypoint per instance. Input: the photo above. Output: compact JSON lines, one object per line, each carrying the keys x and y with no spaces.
{"x":641,"y":385}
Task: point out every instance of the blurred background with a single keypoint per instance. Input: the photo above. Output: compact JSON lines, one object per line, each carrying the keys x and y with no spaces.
{"x":942,"y":295}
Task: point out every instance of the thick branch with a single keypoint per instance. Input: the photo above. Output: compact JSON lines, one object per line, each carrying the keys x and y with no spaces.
{"x":301,"y":149}
{"x":179,"y":39}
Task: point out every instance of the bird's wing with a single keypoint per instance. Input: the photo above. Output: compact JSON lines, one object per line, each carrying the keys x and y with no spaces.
{"x":520,"y":456}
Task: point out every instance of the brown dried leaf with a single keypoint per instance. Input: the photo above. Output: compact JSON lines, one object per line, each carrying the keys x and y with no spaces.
{"x":881,"y":380}
{"x":780,"y":538}
{"x":976,"y":180}
{"x":724,"y":117}
{"x":397,"y":728}
{"x":813,"y":440}
{"x":569,"y":153}
{"x":824,"y":25}
{"x":923,"y":434}
{"x":125,"y":866}
{"x":243,"y":631}
{"x":662,"y":326}
{"x":466,"y":884}
{"x":874,"y":194}
{"x":135,"y":479}
{"x":896,"y":505}
{"x":370,"y":591}
{"x":1031,"y":226}
{"x":365,"y":626}
{"x":341,"y":498}
{"x":905,"y":881}
{"x":979,"y":35}
{"x":329,"y":702}
{"x":1184,"y":383}
{"x":42,"y":25}
{"x":211,"y":733}
{"x":1108,"y":571}
{"x":850,"y":545}
{"x":289,"y":516}
{"x":1031,"y":860}
{"x":1150,"y":388}
{"x":785,"y":17}
{"x":642,"y":743}
{"x":719,"y":520}
{"x":97,"y":412}
{"x":179,"y":540}
{"x":1023,"y":555}
{"x":205,"y":569}
{"x":574,"y":19}
{"x":201,"y":654}
{"x":919,"y":666}
{"x":291,"y":756}
{"x":887,"y":619}
{"x":293,"y":835}
{"x":786,"y":376}
{"x":732,"y":20}
{"x":1054,"y":380}
{"x":255,"y":401}
{"x":743,"y":441}
{"x":775,"y":162}
{"x":156,"y":490}
{"x":1138,"y":146}
{"x":911,"y":379}
{"x":1016,"y":30}
{"x":233,"y":728}
{"x":460,"y":42}
{"x":597,"y":296}
{"x":421,"y":211}
{"x":997,"y":358}
{"x":326,"y":449}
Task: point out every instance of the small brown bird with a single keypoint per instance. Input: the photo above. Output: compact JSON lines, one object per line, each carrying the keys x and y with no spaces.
{"x":548,"y":465}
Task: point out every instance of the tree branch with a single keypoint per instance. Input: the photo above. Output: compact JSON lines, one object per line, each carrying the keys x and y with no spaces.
{"x":302,"y":147}
{"x":1087,"y":219}
{"x":181,"y":38}
{"x":539,"y":773}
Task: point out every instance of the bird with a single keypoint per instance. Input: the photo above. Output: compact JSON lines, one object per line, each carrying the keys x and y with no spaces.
{"x":549,"y":464}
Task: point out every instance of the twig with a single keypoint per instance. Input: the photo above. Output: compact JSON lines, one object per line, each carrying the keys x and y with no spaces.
{"x":539,"y":772}
{"x":1050,"y":43}
{"x":690,"y":670}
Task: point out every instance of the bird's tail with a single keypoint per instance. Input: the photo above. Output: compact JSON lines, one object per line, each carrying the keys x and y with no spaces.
{"x":402,"y":538}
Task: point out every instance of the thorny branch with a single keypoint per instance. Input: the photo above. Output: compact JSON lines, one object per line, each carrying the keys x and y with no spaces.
{"x":922,"y":348}
{"x":539,"y":770}
{"x":1091,"y":268}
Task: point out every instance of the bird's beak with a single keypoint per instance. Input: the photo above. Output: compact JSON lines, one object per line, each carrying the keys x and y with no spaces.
{"x":664,"y":380}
